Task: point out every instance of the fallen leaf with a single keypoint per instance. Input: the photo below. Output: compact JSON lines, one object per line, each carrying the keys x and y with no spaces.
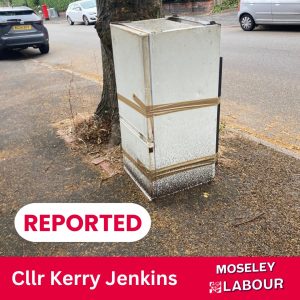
{"x":205,"y":195}
{"x":98,"y":160}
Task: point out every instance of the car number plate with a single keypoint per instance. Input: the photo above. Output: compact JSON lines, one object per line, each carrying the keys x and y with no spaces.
{"x":22,"y":27}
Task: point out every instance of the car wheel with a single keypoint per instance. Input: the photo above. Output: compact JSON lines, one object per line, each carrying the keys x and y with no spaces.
{"x":70,"y":21}
{"x":44,"y":49}
{"x":247,"y":22}
{"x":86,"y":21}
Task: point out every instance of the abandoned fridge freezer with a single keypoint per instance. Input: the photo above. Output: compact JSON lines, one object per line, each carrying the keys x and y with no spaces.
{"x":167,"y":75}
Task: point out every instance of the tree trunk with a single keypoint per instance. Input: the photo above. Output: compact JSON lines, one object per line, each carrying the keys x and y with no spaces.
{"x":117,"y":11}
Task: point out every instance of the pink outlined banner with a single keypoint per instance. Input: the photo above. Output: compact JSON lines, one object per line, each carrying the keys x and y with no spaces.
{"x":92,"y":278}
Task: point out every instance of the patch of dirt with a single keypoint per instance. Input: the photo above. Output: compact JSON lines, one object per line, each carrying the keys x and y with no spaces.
{"x":89,"y":137}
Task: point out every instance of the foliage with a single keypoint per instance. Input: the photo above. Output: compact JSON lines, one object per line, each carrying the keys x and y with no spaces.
{"x":30,"y":3}
{"x":57,"y":4}
{"x":62,"y":5}
{"x":181,"y":1}
{"x":4,"y":3}
{"x":226,"y":4}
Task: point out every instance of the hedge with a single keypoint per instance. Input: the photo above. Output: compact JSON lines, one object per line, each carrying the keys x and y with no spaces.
{"x":59,"y":5}
{"x":226,"y":4}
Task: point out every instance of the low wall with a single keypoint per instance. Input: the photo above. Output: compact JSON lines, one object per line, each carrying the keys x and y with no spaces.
{"x":199,"y":7}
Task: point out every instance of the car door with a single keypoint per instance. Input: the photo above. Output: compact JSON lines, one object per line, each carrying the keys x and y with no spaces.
{"x":286,"y":11}
{"x":70,"y":11}
{"x":262,"y":10}
{"x":77,"y":13}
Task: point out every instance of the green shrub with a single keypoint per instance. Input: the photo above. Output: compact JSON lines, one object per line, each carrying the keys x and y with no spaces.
{"x":59,"y":5}
{"x":226,"y":4}
{"x":181,"y":1}
{"x":30,"y":3}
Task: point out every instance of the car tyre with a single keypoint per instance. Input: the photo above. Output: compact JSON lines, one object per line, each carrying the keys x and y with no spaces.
{"x":70,"y":21}
{"x":86,"y":21}
{"x":44,"y":49}
{"x":247,"y":22}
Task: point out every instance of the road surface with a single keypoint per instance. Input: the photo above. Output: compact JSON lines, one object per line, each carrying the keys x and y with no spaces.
{"x":261,"y":74}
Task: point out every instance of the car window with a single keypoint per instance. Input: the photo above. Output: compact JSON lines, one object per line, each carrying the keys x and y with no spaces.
{"x":77,"y":7}
{"x":88,"y":4}
{"x":16,"y":13}
{"x":23,"y":15}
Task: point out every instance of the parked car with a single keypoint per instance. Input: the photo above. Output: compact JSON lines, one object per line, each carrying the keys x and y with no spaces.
{"x":270,"y":12}
{"x":21,"y":28}
{"x":82,"y":11}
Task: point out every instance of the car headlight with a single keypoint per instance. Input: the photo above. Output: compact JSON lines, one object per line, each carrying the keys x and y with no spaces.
{"x":92,"y":13}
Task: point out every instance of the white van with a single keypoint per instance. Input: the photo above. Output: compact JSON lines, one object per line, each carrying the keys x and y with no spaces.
{"x":277,"y":12}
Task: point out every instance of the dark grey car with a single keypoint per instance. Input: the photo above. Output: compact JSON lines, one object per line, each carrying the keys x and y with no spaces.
{"x":21,"y":28}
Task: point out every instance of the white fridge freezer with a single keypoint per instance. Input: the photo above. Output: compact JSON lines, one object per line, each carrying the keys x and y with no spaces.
{"x":168,"y":83}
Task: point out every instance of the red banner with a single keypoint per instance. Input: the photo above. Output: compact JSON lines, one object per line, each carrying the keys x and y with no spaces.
{"x":149,"y":278}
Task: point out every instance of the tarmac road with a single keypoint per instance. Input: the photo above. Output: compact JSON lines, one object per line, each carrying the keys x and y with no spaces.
{"x":261,"y":74}
{"x":73,"y":48}
{"x":261,"y":90}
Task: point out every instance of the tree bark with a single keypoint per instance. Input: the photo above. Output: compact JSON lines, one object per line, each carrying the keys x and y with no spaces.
{"x":117,"y":11}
